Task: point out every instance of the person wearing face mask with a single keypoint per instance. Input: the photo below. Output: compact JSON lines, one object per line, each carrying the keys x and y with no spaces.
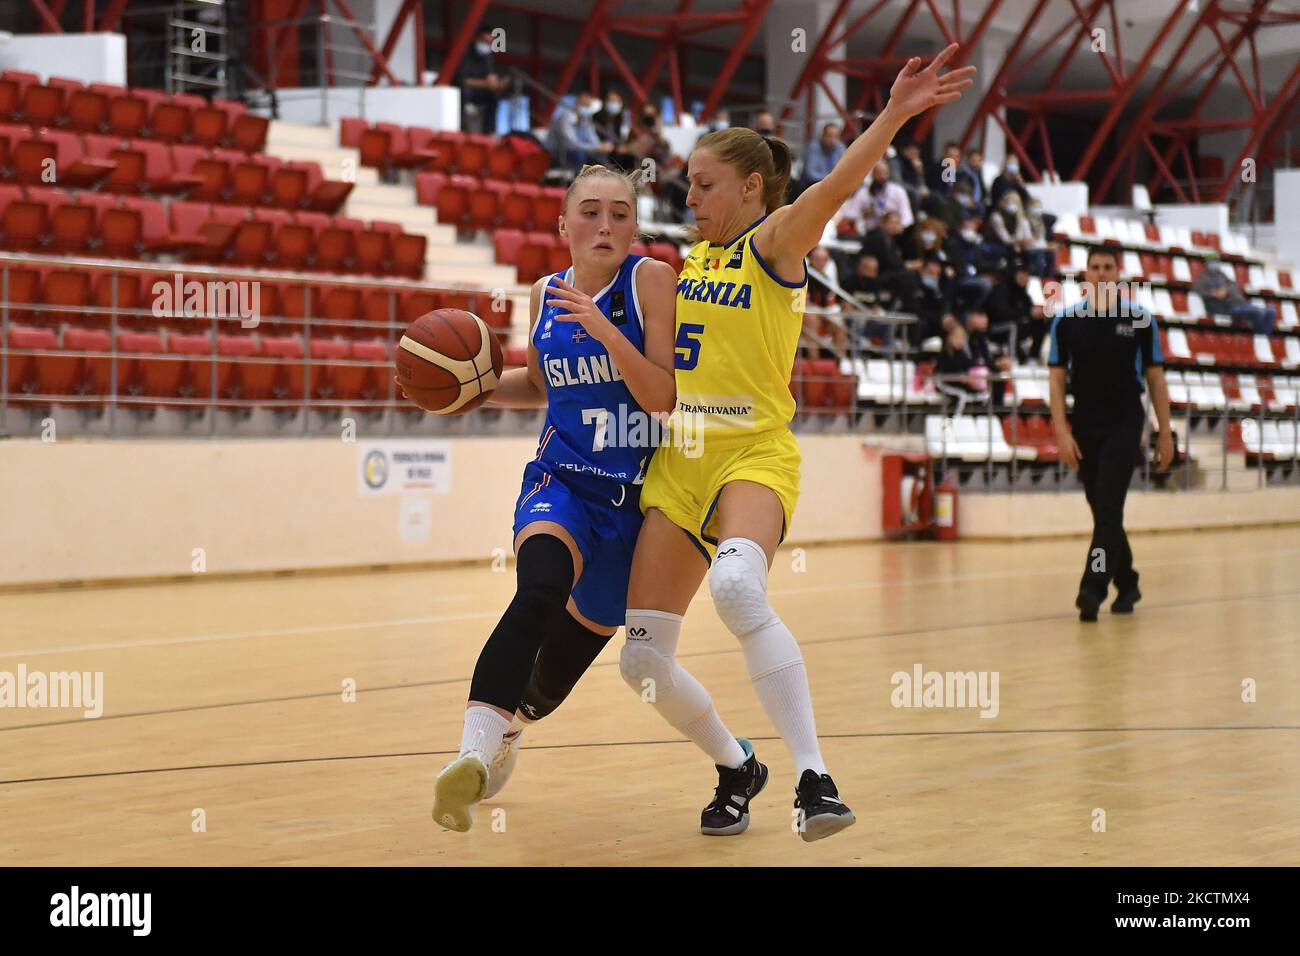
{"x":609,"y":120}
{"x":1040,"y":251}
{"x":480,"y":86}
{"x":1008,"y":226}
{"x":572,"y":138}
{"x":962,"y":248}
{"x":1010,"y":179}
{"x":930,"y":302}
{"x":765,"y":125}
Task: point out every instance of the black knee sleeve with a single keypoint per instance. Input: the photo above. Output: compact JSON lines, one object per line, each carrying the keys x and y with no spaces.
{"x":544,"y":578}
{"x":567,"y":651}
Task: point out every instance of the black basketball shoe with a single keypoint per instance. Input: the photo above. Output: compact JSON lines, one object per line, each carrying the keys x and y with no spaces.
{"x":728,"y":814}
{"x":821,"y":811}
{"x":1087,"y":603}
{"x":1124,"y":601}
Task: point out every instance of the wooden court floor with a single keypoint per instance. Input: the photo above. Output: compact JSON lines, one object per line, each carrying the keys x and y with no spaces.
{"x":227,"y":698}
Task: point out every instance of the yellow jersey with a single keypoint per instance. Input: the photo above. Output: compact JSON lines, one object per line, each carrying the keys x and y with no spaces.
{"x":738,"y":330}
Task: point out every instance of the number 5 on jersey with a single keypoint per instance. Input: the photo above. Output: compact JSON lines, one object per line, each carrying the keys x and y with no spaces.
{"x":688,"y":341}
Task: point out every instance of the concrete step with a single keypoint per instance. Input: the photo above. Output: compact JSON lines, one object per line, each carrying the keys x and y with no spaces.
{"x":410,"y":217}
{"x":299,"y":134}
{"x":335,"y":163}
{"x":474,"y":275}
{"x":384,"y":194}
{"x":440,"y":250}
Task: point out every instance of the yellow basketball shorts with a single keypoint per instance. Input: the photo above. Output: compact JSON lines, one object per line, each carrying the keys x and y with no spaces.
{"x":686,"y":489}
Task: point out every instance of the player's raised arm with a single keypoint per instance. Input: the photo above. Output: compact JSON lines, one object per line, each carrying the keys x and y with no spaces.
{"x":793,"y":231}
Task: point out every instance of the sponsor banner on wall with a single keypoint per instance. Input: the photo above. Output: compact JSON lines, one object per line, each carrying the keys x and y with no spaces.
{"x":403,"y":466}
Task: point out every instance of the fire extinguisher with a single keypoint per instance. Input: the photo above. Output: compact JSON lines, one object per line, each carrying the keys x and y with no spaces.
{"x":945,"y":510}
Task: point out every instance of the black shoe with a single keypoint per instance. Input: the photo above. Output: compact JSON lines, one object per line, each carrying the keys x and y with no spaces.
{"x":1124,"y":601}
{"x":728,"y":814}
{"x":821,"y":811}
{"x":1087,"y":603}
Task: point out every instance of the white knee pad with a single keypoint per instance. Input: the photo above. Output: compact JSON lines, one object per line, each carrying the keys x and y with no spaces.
{"x":646,"y":660}
{"x":738,"y":583}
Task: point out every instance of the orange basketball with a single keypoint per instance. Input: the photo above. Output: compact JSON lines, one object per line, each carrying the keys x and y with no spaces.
{"x":448,"y":362}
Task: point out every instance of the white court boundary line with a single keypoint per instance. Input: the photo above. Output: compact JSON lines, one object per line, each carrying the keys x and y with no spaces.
{"x":495,"y":615}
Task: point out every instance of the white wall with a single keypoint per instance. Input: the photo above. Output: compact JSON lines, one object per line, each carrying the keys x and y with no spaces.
{"x":89,"y":57}
{"x":437,"y":107}
{"x":91,"y":510}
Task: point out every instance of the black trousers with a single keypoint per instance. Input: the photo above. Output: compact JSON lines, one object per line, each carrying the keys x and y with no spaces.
{"x":1109,"y":448}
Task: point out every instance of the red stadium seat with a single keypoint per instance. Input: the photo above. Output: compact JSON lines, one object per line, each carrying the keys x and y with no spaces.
{"x":409,"y":251}
{"x":374,"y":247}
{"x":139,"y":376}
{"x":336,"y":244}
{"x":350,"y":130}
{"x":340,"y":308}
{"x":374,"y":380}
{"x":93,"y":375}
{"x":248,"y":132}
{"x":289,"y":376}
{"x":427,"y":187}
{"x":329,"y":379}
{"x":506,"y":244}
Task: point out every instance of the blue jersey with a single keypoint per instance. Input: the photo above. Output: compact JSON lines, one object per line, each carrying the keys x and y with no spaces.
{"x":596,"y":439}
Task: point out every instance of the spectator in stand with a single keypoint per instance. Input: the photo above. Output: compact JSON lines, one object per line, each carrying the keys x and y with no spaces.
{"x":1009,"y":306}
{"x":821,"y":155}
{"x":971,"y":173}
{"x":926,"y":238}
{"x":929,"y":302}
{"x":1008,"y":226}
{"x":480,"y":86}
{"x":572,"y":139}
{"x":882,"y":243}
{"x":956,"y":368}
{"x":765,"y":125}
{"x":1041,"y":250}
{"x":962,"y":248}
{"x":1223,"y":296}
{"x":908,"y":170}
{"x":646,"y":141}
{"x":874,"y":198}
{"x":943,"y":175}
{"x":983,"y":352}
{"x":721,"y":120}
{"x":610,"y":120}
{"x":820,"y":328}
{"x":874,"y":293}
{"x":1010,"y":178}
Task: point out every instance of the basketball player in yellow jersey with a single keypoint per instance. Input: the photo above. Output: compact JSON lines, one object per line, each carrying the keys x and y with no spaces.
{"x":729,"y":481}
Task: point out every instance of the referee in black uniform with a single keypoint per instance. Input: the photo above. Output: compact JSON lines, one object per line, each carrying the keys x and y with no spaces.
{"x":1107,"y":345}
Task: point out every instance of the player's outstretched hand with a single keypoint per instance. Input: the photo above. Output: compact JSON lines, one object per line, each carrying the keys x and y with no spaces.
{"x":916,"y":89}
{"x":578,"y":307}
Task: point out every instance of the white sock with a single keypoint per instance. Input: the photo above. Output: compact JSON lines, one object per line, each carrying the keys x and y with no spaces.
{"x":679,"y":698}
{"x":484,"y":728}
{"x":772,"y":655}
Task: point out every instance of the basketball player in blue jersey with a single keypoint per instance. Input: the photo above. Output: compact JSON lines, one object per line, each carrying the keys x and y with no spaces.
{"x":600,"y":359}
